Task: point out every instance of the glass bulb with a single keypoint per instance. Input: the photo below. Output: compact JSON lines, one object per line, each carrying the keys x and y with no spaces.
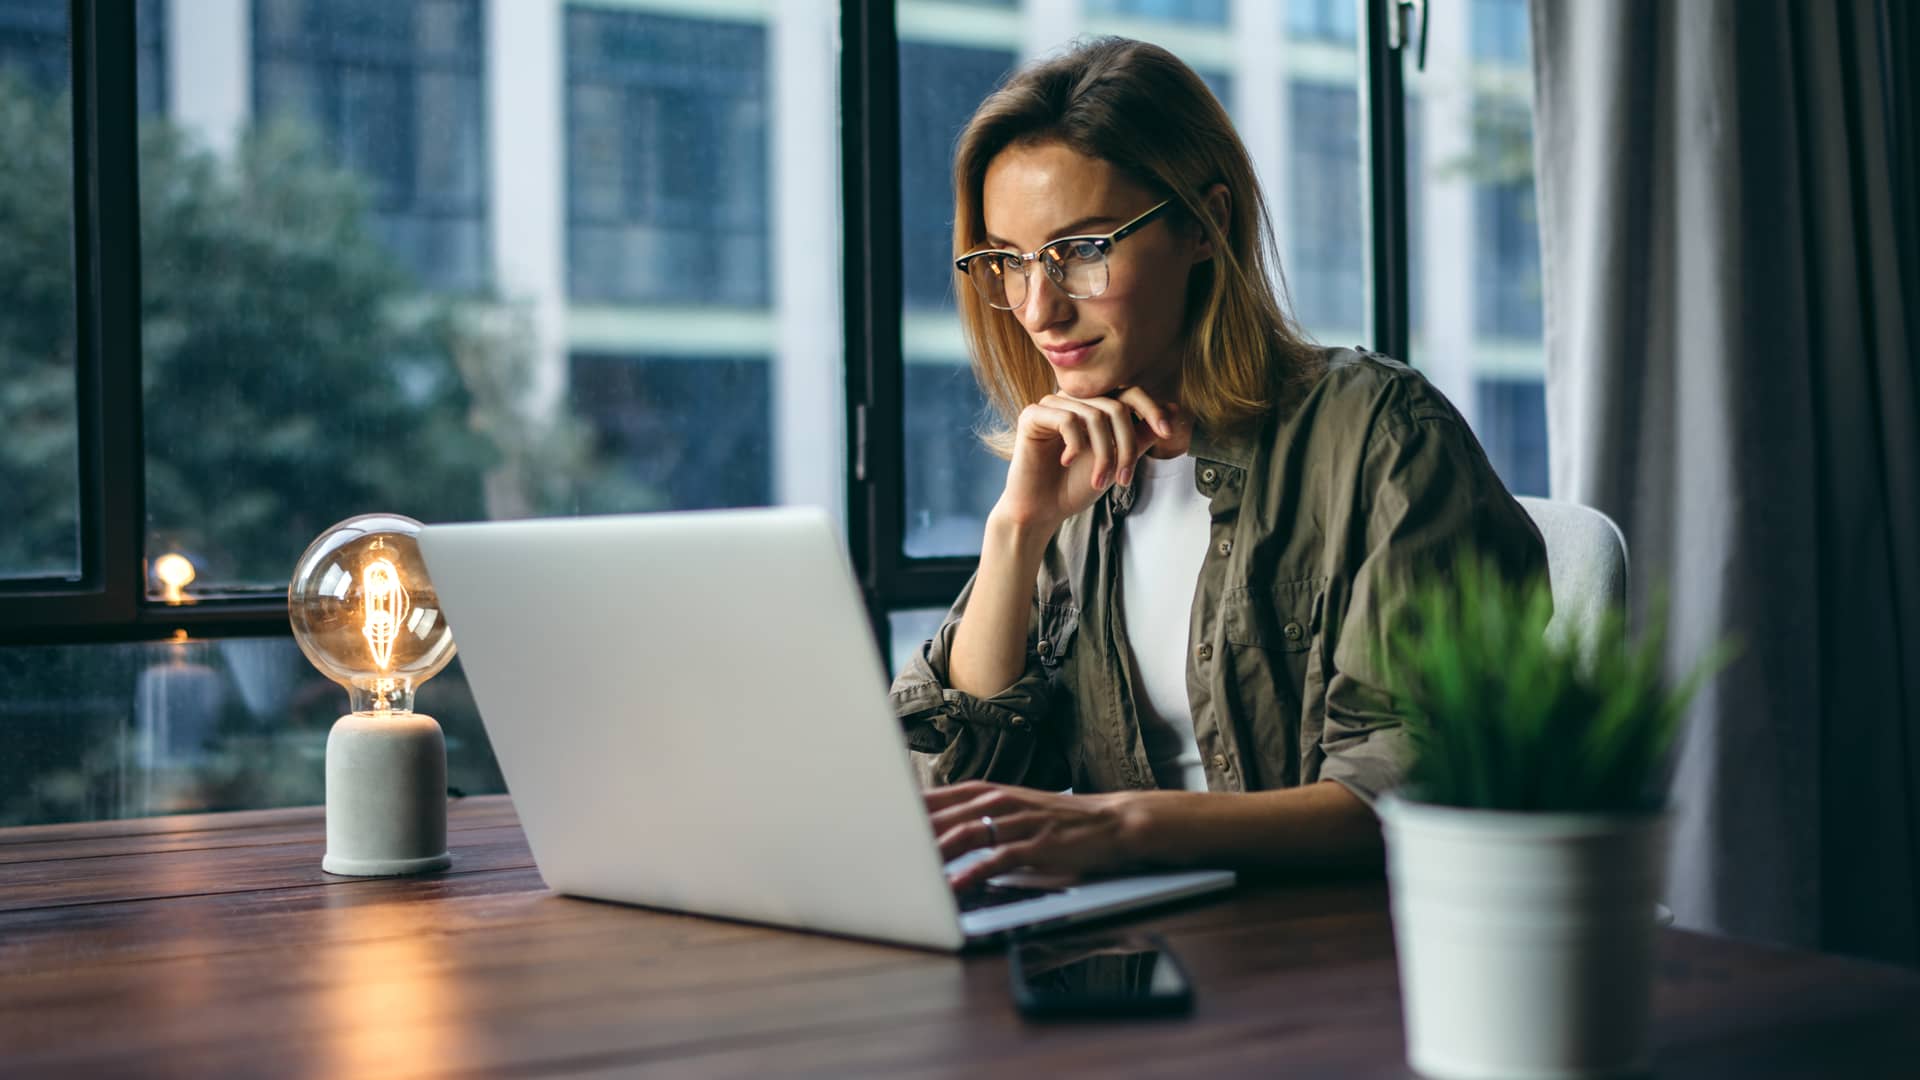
{"x":364,"y":611}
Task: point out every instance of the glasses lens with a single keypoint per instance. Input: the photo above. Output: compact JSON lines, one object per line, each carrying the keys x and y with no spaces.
{"x":999,"y":279}
{"x":1080,"y":267}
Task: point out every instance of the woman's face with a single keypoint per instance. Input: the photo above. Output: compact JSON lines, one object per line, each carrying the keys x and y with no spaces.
{"x":1129,"y":335}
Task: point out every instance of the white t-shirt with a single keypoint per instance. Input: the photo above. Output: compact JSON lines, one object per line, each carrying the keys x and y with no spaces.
{"x":1163,"y":544}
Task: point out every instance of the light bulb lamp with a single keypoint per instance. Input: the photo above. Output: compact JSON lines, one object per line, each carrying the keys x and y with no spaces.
{"x":174,"y":572}
{"x":364,"y":612}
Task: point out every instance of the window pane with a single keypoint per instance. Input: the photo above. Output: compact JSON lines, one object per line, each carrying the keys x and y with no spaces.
{"x":667,"y":177}
{"x":909,"y":630}
{"x":1288,"y":75}
{"x":951,"y":479}
{"x":468,"y":260}
{"x":1476,"y":233}
{"x":39,"y":462}
{"x":393,"y":92}
{"x":1212,"y":12}
{"x":111,"y":731}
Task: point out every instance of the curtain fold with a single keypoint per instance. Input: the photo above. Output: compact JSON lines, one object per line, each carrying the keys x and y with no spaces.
{"x":1730,"y":375}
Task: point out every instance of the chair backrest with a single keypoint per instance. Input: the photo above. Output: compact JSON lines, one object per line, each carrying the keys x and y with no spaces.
{"x":1586,"y":564}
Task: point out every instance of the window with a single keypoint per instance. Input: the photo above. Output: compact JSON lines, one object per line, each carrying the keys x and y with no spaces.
{"x":1512,"y":414}
{"x":142,"y":728}
{"x":39,"y":440}
{"x":939,"y":87}
{"x":393,"y":90}
{"x":1323,"y":20}
{"x":666,"y":445}
{"x":1475,"y":234}
{"x":1500,"y":31}
{"x":1327,"y":258}
{"x":1506,"y":225}
{"x":1213,"y":12}
{"x":302,"y":365}
{"x":666,"y":159}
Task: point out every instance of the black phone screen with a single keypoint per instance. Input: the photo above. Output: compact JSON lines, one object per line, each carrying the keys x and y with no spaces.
{"x":1116,"y":975}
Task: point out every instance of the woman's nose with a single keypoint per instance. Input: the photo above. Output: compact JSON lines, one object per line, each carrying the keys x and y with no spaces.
{"x":1045,"y":304}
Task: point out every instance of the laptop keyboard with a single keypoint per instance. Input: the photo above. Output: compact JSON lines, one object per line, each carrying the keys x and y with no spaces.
{"x":991,"y":895}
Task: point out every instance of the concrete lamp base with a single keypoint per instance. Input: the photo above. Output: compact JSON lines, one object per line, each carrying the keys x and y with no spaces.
{"x":386,"y":796}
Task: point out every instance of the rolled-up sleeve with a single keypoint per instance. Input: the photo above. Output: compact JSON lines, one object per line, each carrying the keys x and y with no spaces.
{"x":1433,"y":495}
{"x":952,"y":735}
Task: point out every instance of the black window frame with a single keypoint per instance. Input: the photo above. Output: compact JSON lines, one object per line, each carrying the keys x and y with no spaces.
{"x":107,"y":601}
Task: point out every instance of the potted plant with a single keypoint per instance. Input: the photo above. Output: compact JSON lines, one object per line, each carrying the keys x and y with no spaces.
{"x":1526,"y":851}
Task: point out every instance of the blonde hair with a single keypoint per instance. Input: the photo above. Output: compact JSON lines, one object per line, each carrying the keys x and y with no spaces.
{"x":1139,"y":108}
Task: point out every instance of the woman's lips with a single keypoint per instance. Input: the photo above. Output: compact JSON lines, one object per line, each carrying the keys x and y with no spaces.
{"x":1070,"y":354}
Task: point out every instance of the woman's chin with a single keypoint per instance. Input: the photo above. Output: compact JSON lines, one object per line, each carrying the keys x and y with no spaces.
{"x":1084,"y":384}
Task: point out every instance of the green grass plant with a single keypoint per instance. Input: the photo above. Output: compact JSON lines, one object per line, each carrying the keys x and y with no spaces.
{"x":1505,"y":716}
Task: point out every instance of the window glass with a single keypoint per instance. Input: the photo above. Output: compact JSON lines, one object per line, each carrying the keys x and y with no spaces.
{"x":112,"y":731}
{"x":394,"y":93}
{"x":1327,"y":243}
{"x":1212,"y":12}
{"x":951,"y":479}
{"x":1475,"y":240}
{"x":466,"y":260}
{"x":39,"y":445}
{"x":1335,"y":21}
{"x":667,"y":159}
{"x":910,"y":629}
{"x":1288,"y":75}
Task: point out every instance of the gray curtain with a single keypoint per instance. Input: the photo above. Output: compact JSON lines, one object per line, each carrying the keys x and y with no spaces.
{"x":1731,"y":376}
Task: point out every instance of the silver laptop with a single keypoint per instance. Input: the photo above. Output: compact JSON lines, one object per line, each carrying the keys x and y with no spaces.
{"x":690,"y":714}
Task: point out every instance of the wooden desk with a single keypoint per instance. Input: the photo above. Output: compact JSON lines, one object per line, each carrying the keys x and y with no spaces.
{"x":214,"y":946}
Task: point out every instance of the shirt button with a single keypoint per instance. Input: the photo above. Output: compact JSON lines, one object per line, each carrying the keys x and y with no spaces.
{"x":1045,"y":648}
{"x":1220,"y":762}
{"x":1206,"y":652}
{"x":1209,"y":475}
{"x":1293,"y":631}
{"x":1226,"y":547}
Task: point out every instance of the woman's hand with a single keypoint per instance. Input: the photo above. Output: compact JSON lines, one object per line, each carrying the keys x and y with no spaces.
{"x":1067,"y":451}
{"x":1041,"y":830}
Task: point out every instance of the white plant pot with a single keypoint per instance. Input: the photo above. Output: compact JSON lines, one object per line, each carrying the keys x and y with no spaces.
{"x":1525,"y":940}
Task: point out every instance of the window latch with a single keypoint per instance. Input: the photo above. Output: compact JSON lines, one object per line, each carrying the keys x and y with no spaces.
{"x":1401,"y":17}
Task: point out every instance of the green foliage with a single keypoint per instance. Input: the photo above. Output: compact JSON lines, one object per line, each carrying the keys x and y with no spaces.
{"x":293,"y":373}
{"x":1505,"y":716}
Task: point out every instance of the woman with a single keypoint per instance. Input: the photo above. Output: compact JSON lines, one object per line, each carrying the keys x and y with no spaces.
{"x":1208,"y":522}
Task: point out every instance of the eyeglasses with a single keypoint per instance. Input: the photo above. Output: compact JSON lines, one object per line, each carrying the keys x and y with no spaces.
{"x":1077,"y":264}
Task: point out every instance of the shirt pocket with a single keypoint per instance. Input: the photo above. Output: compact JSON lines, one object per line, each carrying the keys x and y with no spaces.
{"x":1055,"y":626}
{"x":1279,"y":618}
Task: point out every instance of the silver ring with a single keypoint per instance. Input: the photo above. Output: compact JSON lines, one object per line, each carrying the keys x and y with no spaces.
{"x":993,"y":834}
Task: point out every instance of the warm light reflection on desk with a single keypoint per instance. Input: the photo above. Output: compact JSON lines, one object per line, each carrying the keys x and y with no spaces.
{"x":389,"y":986}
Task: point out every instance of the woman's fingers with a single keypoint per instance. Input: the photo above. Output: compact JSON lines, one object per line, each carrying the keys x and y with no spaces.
{"x":1126,"y":442}
{"x":940,"y":798}
{"x":1101,"y":436}
{"x":997,"y":801}
{"x":1004,"y":858}
{"x":972,"y":833}
{"x":1159,"y":417}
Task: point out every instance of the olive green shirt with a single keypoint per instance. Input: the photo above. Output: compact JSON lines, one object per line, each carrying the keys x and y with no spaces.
{"x":1324,"y":518}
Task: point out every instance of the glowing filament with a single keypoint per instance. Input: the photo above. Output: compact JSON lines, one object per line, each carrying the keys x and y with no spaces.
{"x":386,"y":608}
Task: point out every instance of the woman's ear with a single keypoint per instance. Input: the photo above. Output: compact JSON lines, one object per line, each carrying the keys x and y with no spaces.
{"x":1216,"y":203}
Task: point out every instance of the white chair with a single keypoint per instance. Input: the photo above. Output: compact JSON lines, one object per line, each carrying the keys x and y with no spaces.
{"x":1586,"y":565}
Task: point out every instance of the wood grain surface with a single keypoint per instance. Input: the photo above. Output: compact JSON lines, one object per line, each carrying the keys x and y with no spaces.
{"x":213,"y":945}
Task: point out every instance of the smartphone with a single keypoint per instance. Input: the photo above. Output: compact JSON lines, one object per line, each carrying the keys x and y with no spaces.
{"x":1115,"y":975}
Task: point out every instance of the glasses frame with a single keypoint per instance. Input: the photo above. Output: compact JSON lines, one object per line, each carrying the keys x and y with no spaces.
{"x":1050,"y":262}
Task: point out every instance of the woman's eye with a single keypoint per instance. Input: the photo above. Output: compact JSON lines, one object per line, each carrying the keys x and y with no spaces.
{"x":1080,"y":251}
